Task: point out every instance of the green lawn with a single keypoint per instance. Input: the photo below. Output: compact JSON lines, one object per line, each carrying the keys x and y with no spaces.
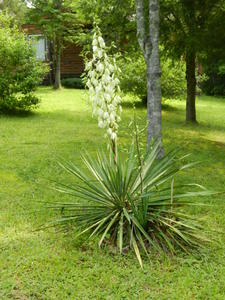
{"x":49,"y":265}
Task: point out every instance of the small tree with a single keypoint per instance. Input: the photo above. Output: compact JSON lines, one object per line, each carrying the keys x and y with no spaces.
{"x":20,"y":72}
{"x":187,"y":31}
{"x":57,"y":22}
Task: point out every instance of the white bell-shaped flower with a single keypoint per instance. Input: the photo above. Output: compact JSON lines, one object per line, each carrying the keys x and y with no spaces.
{"x":106,"y":115}
{"x":113,"y":136}
{"x":103,"y":86}
{"x":101,"y":42}
{"x":95,"y":49}
{"x":100,"y":112}
{"x":101,"y":124}
{"x":109,"y":131}
{"x":100,"y":67}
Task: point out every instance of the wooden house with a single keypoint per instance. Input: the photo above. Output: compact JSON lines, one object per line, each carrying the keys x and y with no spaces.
{"x":72,"y":64}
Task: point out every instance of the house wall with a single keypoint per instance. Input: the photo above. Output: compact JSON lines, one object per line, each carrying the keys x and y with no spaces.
{"x":71,"y":62}
{"x":30,"y":29}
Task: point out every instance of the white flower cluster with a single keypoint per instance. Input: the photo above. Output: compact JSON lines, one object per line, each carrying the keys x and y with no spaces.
{"x":104,"y":87}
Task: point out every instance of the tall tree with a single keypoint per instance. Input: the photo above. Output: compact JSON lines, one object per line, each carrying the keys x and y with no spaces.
{"x":148,"y":38}
{"x":185,"y":32}
{"x":58,"y":22}
{"x":108,"y":14}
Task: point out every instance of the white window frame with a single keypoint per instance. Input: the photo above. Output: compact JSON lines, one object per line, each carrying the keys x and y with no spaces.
{"x":46,"y":54}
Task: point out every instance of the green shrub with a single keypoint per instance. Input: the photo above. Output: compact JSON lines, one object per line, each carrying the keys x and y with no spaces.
{"x":73,"y":83}
{"x":133,"y":77}
{"x":173,"y":78}
{"x":19,"y":103}
{"x":20,"y":72}
{"x":214,"y":84}
{"x":131,"y":204}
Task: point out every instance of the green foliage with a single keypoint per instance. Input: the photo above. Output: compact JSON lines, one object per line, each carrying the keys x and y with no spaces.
{"x":18,"y":103}
{"x":16,"y":8}
{"x":215,"y":82}
{"x":73,"y":83}
{"x":55,"y":18}
{"x":189,"y":28}
{"x":133,"y":77}
{"x":58,"y":22}
{"x":173,"y":78}
{"x":133,"y":203}
{"x":20,"y":72}
{"x":186,"y":25}
{"x":107,"y":14}
{"x":213,"y":58}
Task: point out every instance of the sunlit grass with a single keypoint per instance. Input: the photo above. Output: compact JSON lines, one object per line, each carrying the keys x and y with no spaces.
{"x":45,"y":265}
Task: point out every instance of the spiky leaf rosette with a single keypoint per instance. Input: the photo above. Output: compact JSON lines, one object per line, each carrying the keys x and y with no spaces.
{"x":133,"y":207}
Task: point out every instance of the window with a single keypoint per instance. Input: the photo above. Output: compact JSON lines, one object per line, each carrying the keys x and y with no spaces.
{"x":39,"y":43}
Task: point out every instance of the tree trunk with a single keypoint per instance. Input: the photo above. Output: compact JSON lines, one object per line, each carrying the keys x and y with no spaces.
{"x":150,"y":106}
{"x":191,"y":87}
{"x":149,"y":44}
{"x":154,"y":97}
{"x":57,"y":83}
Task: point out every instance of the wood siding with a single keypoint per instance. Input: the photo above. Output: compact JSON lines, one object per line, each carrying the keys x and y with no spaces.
{"x":71,"y":62}
{"x":30,"y":29}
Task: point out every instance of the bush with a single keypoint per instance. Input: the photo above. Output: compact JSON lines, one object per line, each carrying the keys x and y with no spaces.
{"x":73,"y":83}
{"x":20,"y":72}
{"x":19,"y":103}
{"x":173,"y":78}
{"x":215,"y":83}
{"x":132,"y":203}
{"x":133,"y":77}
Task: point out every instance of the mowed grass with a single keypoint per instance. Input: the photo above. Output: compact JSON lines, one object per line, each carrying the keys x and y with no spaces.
{"x":51,"y":265}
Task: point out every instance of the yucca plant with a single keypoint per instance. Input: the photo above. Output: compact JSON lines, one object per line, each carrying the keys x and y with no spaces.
{"x":130,"y":202}
{"x":132,"y":205}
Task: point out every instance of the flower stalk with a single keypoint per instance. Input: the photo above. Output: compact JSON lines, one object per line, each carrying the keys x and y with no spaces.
{"x":104,"y":89}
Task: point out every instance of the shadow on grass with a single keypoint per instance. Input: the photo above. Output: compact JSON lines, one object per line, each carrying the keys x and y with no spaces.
{"x":141,"y":105}
{"x":18,"y":114}
{"x":47,"y":89}
{"x":203,"y":126}
{"x":132,"y":104}
{"x":167,"y":107}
